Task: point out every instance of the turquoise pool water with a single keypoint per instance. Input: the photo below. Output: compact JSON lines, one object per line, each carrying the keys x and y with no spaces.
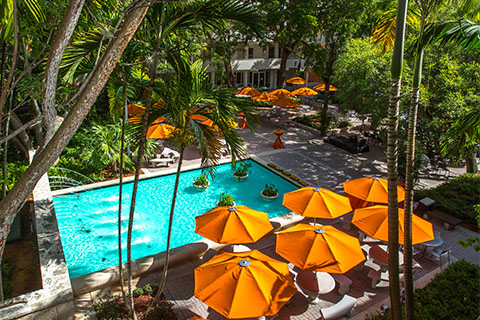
{"x":88,"y":220}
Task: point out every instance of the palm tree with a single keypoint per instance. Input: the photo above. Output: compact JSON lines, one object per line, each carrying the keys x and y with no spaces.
{"x":393,"y":110}
{"x":191,"y":94}
{"x":426,"y":34}
{"x":163,"y":20}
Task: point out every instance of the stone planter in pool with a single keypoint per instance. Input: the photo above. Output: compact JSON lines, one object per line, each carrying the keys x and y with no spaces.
{"x":199,"y":187}
{"x":268,"y":198}
{"x":231,"y":204}
{"x":240,"y":178}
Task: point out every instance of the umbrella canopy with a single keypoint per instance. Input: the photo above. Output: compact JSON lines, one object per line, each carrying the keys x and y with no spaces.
{"x":281,"y":93}
{"x":244,"y":285}
{"x":160,"y":130}
{"x":267,"y":97}
{"x":374,"y":222}
{"x":232,"y":225}
{"x":316,"y":203}
{"x":319,"y":248}
{"x":304,"y":92}
{"x":285,"y":102}
{"x":371,"y":189}
{"x":248,"y":92}
{"x":296,"y":80}
{"x":321,"y":87}
{"x":135,"y":109}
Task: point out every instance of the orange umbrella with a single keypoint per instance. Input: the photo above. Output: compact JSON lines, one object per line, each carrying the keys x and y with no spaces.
{"x":296,"y":80}
{"x":160,"y":130}
{"x":321,"y":87}
{"x":374,"y":222}
{"x":304,"y":92}
{"x":232,"y":225}
{"x":244,"y":285}
{"x":281,"y":93}
{"x":319,"y":248}
{"x":267,"y":97}
{"x":316,"y":203}
{"x":285,"y":103}
{"x":135,"y":109}
{"x":248,"y":92}
{"x":371,"y":189}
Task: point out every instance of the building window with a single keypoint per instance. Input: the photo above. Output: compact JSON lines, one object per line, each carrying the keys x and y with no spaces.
{"x":250,"y":75}
{"x":271,"y":52}
{"x":239,"y":79}
{"x":250,"y":53}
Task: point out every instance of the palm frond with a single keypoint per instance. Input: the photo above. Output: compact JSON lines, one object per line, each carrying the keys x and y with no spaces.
{"x":383,"y":34}
{"x":461,"y":33}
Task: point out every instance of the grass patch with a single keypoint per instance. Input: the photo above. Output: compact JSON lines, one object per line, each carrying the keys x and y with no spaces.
{"x":456,"y":196}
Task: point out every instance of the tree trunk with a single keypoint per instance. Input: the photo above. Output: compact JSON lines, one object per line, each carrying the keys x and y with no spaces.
{"x":324,"y":118}
{"x":170,"y":223}
{"x":44,"y":159}
{"x":122,"y":147}
{"x":409,"y":172}
{"x":39,"y":137}
{"x":138,"y":162}
{"x":392,"y":161}
{"x":471,"y":165}
{"x":283,"y":66}
{"x":228,"y":73}
{"x":22,"y":136}
{"x":59,"y":45}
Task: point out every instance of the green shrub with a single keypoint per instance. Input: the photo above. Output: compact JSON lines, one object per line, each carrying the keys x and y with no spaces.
{"x":201,"y":180}
{"x":161,"y":310}
{"x":241,"y":170}
{"x":452,"y":294}
{"x":456,"y":197}
{"x":225,"y":200}
{"x":343,"y":123}
{"x":270,"y":190}
{"x":109,"y":307}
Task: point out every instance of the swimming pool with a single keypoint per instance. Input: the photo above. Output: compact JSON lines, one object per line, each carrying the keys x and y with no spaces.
{"x":87,"y":220}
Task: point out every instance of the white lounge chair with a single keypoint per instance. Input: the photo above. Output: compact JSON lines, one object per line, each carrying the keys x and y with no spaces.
{"x":340,"y":309}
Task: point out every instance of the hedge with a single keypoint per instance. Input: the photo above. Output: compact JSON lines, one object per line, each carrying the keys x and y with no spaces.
{"x":456,"y":196}
{"x":453,"y":294}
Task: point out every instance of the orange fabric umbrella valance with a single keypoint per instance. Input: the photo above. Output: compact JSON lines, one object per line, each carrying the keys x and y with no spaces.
{"x":248,"y":92}
{"x":321,"y":87}
{"x":160,"y":130}
{"x":374,"y":222}
{"x":285,"y":103}
{"x":319,"y":248}
{"x":316,"y":203}
{"x":267,"y":97}
{"x":296,"y":80}
{"x":233,"y":225}
{"x":244,"y":285}
{"x":281,"y":93}
{"x":371,"y":189}
{"x":304,"y":92}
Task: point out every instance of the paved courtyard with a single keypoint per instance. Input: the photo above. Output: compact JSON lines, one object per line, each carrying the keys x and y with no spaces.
{"x":319,"y":164}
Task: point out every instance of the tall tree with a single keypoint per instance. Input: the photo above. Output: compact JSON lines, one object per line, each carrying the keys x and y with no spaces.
{"x":337,"y":23}
{"x":47,"y":156}
{"x":289,"y":23}
{"x":393,"y":110}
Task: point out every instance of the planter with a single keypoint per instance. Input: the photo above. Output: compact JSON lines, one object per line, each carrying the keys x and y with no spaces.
{"x":231,"y":204}
{"x":240,"y":178}
{"x":200,"y":187}
{"x":268,"y":198}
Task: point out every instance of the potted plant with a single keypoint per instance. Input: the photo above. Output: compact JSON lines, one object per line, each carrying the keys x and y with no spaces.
{"x":201,"y":183}
{"x":226,"y":200}
{"x":241,"y":172}
{"x":270,"y":192}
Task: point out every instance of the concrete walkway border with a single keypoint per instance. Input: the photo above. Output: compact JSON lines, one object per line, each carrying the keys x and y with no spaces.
{"x":55,"y":299}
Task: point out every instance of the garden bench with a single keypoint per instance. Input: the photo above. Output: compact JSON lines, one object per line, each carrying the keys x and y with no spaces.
{"x":449,"y":222}
{"x":343,"y":281}
{"x":167,"y":161}
{"x":340,"y":309}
